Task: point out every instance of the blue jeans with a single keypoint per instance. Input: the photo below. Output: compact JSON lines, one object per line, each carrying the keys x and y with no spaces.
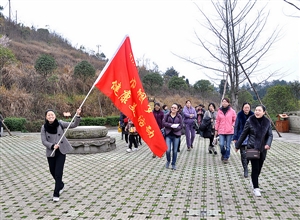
{"x":224,"y":142}
{"x":172,"y":140}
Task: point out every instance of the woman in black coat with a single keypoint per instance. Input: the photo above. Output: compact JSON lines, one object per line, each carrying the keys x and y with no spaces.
{"x":207,"y":126}
{"x":240,"y":122}
{"x":259,"y":132}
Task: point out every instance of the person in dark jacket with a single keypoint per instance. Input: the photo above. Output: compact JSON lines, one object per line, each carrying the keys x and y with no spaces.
{"x":173,"y":125}
{"x":258,"y":129}
{"x":123,"y":124}
{"x":159,"y":116}
{"x":208,"y":126}
{"x":240,"y":122}
{"x":51,"y":133}
{"x":200,"y":115}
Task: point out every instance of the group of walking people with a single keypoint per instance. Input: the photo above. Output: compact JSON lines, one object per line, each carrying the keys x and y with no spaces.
{"x":247,"y":129}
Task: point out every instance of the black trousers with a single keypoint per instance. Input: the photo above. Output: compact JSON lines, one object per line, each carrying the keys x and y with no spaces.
{"x":133,"y":140}
{"x":56,"y":167}
{"x":257,"y":164}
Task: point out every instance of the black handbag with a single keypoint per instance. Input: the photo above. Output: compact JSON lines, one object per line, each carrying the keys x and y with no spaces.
{"x":252,"y":154}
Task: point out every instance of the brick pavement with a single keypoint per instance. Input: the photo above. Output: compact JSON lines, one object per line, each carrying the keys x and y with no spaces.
{"x":120,"y":185}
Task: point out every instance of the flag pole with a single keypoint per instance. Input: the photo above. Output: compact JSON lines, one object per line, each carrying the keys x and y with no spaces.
{"x":98,"y":78}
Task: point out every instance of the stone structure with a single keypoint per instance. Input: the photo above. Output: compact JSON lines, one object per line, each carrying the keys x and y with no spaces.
{"x":294,"y":121}
{"x":90,"y":139}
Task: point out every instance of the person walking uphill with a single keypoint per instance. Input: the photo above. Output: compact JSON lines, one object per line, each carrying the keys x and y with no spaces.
{"x":173,"y":125}
{"x":190,"y":115}
{"x":224,"y":128}
{"x":51,"y":133}
{"x":259,"y":131}
{"x":240,"y":122}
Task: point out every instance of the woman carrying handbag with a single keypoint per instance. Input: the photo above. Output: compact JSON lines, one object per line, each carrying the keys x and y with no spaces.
{"x":259,"y":132}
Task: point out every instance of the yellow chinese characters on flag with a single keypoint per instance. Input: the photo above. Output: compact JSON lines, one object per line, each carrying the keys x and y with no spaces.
{"x":120,"y":81}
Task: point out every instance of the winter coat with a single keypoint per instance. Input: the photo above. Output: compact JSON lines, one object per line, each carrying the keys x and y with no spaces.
{"x":206,"y":127}
{"x":225,"y":123}
{"x":130,"y":128}
{"x":187,"y":111}
{"x":208,"y":124}
{"x":260,"y":134}
{"x":212,"y":115}
{"x":159,"y":116}
{"x":49,"y":140}
{"x":200,"y":115}
{"x":168,"y":121}
{"x":240,"y":122}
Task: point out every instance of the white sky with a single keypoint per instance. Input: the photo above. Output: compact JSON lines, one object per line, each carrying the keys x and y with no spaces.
{"x":156,"y":29}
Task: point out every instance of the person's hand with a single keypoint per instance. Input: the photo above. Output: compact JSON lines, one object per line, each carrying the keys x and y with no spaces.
{"x":267,"y":147}
{"x":56,"y":146}
{"x":191,"y":115}
{"x":174,"y":125}
{"x":215,"y":141}
{"x":78,"y":111}
{"x":234,"y":141}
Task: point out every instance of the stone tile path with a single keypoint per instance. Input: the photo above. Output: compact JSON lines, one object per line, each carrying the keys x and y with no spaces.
{"x":120,"y":185}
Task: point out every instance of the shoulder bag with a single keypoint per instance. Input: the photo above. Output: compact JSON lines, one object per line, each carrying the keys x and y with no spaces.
{"x":252,"y":154}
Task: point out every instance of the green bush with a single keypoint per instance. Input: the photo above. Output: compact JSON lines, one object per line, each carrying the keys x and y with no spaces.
{"x":34,"y":126}
{"x":21,"y":124}
{"x":15,"y":124}
{"x":113,"y":120}
{"x":87,"y":121}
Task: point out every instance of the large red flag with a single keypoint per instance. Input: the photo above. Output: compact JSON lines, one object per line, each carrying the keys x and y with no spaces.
{"x":121,"y":83}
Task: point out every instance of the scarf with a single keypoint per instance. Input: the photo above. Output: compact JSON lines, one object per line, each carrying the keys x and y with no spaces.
{"x":224,"y":110}
{"x":51,"y":128}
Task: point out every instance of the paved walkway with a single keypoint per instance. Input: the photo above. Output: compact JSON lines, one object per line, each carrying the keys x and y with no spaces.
{"x":120,"y":185}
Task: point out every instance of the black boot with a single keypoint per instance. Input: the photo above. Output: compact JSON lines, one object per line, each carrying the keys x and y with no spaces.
{"x":210,"y":149}
{"x":244,"y":162}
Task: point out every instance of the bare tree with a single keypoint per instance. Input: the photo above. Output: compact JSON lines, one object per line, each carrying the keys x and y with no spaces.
{"x":237,"y":35}
{"x":293,"y":3}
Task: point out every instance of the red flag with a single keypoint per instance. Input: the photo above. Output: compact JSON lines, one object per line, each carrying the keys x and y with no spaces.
{"x":121,"y":83}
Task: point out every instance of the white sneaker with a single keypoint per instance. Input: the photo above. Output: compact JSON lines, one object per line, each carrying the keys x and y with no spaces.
{"x":55,"y":199}
{"x":135,"y":149}
{"x":61,"y":191}
{"x":129,"y":150}
{"x":256,"y":192}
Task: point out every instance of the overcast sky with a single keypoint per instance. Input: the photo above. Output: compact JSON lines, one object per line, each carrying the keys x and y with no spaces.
{"x":157,"y":28}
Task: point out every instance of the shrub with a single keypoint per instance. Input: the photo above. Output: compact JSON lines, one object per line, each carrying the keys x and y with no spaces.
{"x":34,"y":126}
{"x":113,"y":120}
{"x":45,"y":64}
{"x":93,"y":121}
{"x":15,"y":124}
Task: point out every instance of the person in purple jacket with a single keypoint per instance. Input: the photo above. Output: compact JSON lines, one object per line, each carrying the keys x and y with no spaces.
{"x":190,"y":115}
{"x":173,"y":124}
{"x":159,"y":116}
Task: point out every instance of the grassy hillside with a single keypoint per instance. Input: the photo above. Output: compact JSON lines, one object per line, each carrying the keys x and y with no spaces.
{"x":25,"y":93}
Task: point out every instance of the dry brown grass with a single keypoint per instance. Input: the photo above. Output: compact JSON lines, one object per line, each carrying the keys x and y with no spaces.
{"x":25,"y":93}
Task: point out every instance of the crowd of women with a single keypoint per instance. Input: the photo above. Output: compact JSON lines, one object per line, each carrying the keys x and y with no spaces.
{"x":221,"y":126}
{"x":247,"y":129}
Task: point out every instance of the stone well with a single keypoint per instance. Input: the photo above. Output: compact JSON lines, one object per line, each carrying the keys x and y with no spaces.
{"x":90,"y":139}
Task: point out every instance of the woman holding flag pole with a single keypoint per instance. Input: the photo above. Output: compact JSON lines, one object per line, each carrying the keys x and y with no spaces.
{"x":57,"y":146}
